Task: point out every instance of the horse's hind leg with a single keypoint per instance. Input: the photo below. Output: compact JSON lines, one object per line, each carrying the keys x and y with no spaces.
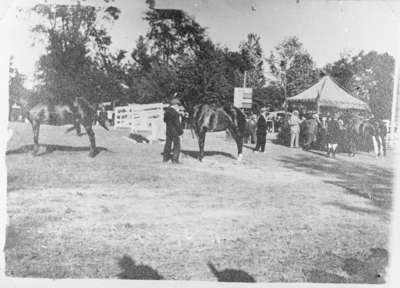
{"x":92,"y":141}
{"x":36,"y":128}
{"x":384,"y":145}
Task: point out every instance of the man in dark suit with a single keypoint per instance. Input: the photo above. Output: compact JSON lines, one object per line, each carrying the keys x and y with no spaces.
{"x":261,"y":130}
{"x":173,"y":132}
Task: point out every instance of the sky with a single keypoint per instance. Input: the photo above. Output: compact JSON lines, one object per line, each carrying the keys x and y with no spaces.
{"x":327,"y":28}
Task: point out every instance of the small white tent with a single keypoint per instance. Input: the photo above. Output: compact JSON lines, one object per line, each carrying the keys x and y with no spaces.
{"x":327,"y":94}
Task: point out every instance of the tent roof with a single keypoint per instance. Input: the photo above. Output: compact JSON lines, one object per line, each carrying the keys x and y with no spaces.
{"x":329,"y":94}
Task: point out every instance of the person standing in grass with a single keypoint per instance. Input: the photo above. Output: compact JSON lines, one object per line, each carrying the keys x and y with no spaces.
{"x":261,"y":130}
{"x":333,"y":134}
{"x":294,"y":125}
{"x":173,"y":131}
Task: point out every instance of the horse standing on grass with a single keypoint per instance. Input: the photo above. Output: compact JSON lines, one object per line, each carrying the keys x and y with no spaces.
{"x":212,"y":118}
{"x":80,"y":112}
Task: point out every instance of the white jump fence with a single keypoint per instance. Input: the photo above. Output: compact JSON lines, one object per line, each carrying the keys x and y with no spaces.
{"x":145,"y":119}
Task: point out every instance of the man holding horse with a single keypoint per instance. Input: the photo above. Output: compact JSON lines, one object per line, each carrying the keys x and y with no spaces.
{"x":173,"y":132}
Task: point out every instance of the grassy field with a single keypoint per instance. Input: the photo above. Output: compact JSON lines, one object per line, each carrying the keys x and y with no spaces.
{"x":287,"y":215}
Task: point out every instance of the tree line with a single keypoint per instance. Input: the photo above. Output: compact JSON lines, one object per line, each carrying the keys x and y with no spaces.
{"x":176,"y":55}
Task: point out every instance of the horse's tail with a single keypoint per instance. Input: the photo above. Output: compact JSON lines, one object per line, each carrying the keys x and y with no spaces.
{"x":212,"y":268}
{"x":102,"y":122}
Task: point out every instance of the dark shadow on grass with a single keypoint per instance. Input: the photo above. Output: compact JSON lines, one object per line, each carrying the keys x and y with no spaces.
{"x":361,"y":269}
{"x":356,"y":209}
{"x":365,"y":180}
{"x":248,"y":146}
{"x":50,"y":148}
{"x":138,"y":272}
{"x":320,"y":276}
{"x":230,"y":275}
{"x":195,"y":154}
{"x":278,"y":142}
{"x":12,"y":236}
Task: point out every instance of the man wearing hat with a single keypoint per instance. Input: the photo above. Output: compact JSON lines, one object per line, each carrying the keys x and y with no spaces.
{"x":173,"y":131}
{"x":261,"y":130}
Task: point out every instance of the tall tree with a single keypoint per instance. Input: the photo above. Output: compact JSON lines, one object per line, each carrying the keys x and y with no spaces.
{"x":173,"y":33}
{"x":75,"y":44}
{"x":17,"y":91}
{"x":211,"y":75}
{"x":302,"y":74}
{"x":141,"y":56}
{"x":368,"y":77}
{"x":16,"y":82}
{"x":253,"y":51}
{"x":292,"y":66}
{"x":342,"y":71}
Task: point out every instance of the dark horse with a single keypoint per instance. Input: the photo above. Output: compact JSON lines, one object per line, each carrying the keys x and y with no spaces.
{"x":80,"y":112}
{"x":212,"y":118}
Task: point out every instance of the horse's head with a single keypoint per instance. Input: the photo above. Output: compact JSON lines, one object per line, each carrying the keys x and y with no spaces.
{"x":239,"y":118}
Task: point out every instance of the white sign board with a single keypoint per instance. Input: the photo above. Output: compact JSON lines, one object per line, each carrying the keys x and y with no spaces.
{"x":243,"y":97}
{"x":142,"y":118}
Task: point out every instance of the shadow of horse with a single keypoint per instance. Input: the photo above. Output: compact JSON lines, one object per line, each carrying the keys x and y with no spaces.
{"x":137,"y":272}
{"x":50,"y":148}
{"x":249,"y":147}
{"x":230,"y":275}
{"x":195,"y":154}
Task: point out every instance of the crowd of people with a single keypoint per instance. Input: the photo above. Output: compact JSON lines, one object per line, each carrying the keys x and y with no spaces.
{"x":330,"y":135}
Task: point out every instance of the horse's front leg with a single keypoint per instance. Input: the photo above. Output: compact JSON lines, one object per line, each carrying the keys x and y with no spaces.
{"x":376,"y":147}
{"x":36,"y":128}
{"x":239,"y":143}
{"x":202,"y":138}
{"x":381,"y":146}
{"x":92,"y":140}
